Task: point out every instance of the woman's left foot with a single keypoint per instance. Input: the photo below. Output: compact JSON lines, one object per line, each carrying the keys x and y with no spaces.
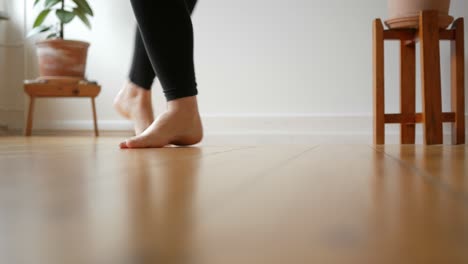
{"x":134,"y":103}
{"x":180,"y":125}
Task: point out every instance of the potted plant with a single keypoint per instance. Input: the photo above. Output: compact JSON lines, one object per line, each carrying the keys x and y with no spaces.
{"x":405,"y":13}
{"x":57,"y":56}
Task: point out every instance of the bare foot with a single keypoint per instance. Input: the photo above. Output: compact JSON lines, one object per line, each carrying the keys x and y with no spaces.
{"x":134,"y":103}
{"x":180,"y":125}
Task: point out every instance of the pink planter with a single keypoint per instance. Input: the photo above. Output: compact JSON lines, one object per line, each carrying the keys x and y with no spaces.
{"x":405,"y":13}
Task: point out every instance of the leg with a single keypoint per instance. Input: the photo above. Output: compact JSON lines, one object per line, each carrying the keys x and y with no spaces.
{"x":458,"y":83}
{"x":379,"y":94}
{"x":430,"y":79}
{"x":141,"y":71}
{"x":166,"y":30}
{"x":167,"y":33}
{"x":93,"y":105}
{"x":134,"y":100}
{"x":407,"y":89}
{"x":29,"y":122}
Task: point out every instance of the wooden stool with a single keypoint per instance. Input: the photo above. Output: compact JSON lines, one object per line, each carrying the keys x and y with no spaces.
{"x":60,"y":87}
{"x":428,"y":34}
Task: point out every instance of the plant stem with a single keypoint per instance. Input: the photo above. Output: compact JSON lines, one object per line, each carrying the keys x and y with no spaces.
{"x":62,"y":33}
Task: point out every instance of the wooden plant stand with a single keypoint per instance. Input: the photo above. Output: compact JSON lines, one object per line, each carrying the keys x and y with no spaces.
{"x":428,"y":35}
{"x":60,"y":87}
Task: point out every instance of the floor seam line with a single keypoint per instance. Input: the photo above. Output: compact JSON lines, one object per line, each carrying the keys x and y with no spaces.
{"x":429,"y":178}
{"x":257,"y":178}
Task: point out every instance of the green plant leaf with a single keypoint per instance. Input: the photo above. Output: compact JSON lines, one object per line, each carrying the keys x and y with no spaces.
{"x":82,"y":10}
{"x":82,"y":16}
{"x":51,"y":3}
{"x":38,"y":30}
{"x":53,"y":35}
{"x":35,"y":2}
{"x":41,"y":17}
{"x":65,"y":16}
{"x":83,"y":4}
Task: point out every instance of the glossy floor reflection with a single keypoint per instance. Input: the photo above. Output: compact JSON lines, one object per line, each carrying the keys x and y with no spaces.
{"x":82,"y":200}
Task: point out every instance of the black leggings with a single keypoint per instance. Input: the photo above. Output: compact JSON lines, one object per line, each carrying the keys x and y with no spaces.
{"x":164,"y":46}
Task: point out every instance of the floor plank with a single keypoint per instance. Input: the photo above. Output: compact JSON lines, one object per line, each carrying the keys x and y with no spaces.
{"x":446,"y":166}
{"x":83,"y":200}
{"x":342,"y":204}
{"x":93,"y":203}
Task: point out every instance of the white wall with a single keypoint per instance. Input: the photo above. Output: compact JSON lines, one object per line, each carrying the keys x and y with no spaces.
{"x":293,"y":61}
{"x":11,"y":63}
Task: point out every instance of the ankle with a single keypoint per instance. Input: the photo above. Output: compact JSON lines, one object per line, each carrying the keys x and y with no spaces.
{"x":137,"y":92}
{"x":183,"y":105}
{"x":133,"y":89}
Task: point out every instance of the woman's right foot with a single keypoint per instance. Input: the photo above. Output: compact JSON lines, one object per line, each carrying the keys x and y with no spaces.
{"x":134,"y":103}
{"x":180,"y":125}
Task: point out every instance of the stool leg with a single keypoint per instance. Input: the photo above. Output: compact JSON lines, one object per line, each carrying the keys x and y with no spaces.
{"x":458,"y":82}
{"x":29,"y":121}
{"x":407,"y":89}
{"x":378,"y":74}
{"x":430,"y":79}
{"x":93,"y":104}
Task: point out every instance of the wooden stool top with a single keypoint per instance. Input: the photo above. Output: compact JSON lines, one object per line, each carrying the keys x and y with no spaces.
{"x":61,"y":87}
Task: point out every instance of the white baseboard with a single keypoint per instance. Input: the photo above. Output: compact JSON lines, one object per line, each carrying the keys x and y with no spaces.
{"x":257,"y":128}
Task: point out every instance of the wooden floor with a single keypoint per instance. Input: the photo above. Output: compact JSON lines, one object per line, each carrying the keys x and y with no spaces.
{"x":82,"y":200}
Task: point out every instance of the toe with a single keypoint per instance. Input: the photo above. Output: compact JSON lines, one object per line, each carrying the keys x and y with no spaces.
{"x":136,"y":142}
{"x":123,"y":145}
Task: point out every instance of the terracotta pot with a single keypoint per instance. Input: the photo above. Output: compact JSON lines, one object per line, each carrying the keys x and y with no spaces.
{"x":65,"y":58}
{"x":405,"y":13}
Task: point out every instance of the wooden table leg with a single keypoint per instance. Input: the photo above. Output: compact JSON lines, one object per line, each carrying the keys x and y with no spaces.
{"x":458,"y":82}
{"x":378,"y":74}
{"x":29,"y":121}
{"x":93,"y":104}
{"x":430,"y":79}
{"x":407,"y":89}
